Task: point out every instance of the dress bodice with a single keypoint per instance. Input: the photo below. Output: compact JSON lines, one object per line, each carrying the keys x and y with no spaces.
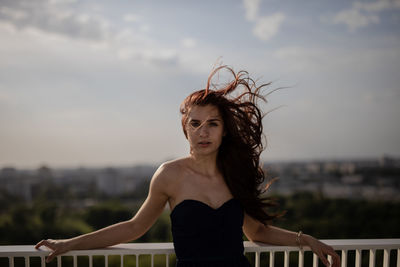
{"x":204,"y":236}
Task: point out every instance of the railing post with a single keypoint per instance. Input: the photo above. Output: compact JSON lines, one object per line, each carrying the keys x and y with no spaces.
{"x":301,"y":258}
{"x":372,"y":258}
{"x":398,"y":257}
{"x":59,"y":261}
{"x":257,"y":259}
{"x":315,"y":260}
{"x":42,"y":261}
{"x":386,"y":258}
{"x":343,"y":260}
{"x":358,"y":258}
{"x":271,"y":259}
{"x":11,"y":261}
{"x":75,"y":261}
{"x":286,"y":261}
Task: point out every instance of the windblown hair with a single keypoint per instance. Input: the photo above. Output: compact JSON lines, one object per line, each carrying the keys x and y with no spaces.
{"x":239,"y":153}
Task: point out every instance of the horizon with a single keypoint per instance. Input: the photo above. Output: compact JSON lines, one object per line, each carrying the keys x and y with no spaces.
{"x":156,"y":164}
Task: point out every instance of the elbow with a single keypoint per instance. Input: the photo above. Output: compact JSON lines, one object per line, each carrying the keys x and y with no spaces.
{"x":259,"y":234}
{"x":134,"y":230}
{"x":252,"y":238}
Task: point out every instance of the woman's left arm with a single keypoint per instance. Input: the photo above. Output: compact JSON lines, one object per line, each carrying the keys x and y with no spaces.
{"x":258,"y":232}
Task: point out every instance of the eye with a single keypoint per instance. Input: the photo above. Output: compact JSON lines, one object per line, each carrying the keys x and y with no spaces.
{"x":213,"y":124}
{"x":194,"y":124}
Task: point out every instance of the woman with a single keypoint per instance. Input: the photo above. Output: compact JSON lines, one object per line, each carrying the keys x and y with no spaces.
{"x":214,"y":192}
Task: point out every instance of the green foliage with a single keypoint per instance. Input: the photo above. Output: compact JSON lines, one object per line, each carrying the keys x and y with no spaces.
{"x":321,"y":217}
{"x":22,"y":224}
{"x":340,"y":218}
{"x":160,"y":231}
{"x":107,"y":213}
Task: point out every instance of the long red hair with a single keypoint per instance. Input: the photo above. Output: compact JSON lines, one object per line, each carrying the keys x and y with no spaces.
{"x":239,"y":153}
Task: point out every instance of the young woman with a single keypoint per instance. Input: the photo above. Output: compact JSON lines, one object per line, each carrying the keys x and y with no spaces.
{"x":214,"y":193}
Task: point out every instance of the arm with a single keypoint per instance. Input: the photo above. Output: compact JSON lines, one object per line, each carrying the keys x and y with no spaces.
{"x":120,"y":232}
{"x":257,"y":232}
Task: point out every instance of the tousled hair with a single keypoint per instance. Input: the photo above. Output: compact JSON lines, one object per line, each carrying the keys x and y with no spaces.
{"x":239,"y":153}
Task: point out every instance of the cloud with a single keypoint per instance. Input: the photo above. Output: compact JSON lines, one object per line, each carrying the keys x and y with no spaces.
{"x":377,"y":6}
{"x":268,"y":26}
{"x":362,"y":14}
{"x":251,"y":7}
{"x":265,"y":27}
{"x":62,"y":19}
{"x":49,"y":17}
{"x":354,"y":19}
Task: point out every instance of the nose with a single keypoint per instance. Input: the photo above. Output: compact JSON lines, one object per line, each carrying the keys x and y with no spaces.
{"x":203,"y":131}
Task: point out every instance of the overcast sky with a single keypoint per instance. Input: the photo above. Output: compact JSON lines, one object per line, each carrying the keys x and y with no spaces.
{"x":95,"y":83}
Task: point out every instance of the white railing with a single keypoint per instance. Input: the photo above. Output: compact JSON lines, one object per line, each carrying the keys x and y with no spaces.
{"x":356,"y":252}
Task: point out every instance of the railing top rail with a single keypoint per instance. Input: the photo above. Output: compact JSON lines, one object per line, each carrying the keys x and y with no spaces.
{"x":167,"y":248}
{"x":124,"y":249}
{"x":337,"y":244}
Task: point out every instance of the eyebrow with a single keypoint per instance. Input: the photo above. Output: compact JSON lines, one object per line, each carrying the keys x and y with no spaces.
{"x":210,"y":120}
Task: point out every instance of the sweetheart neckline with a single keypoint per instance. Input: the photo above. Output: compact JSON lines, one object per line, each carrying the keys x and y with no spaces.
{"x":201,"y":202}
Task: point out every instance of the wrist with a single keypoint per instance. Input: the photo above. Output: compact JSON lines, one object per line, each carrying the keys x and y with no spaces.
{"x":306,"y":240}
{"x":72,"y":243}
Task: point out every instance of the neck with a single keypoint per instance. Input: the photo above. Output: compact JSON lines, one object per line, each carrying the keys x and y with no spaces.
{"x":206,"y":165}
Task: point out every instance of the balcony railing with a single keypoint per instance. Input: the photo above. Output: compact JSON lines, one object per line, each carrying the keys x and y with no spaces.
{"x":357,"y":252}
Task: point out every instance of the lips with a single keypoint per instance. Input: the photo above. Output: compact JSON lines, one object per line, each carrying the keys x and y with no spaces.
{"x":204,"y":143}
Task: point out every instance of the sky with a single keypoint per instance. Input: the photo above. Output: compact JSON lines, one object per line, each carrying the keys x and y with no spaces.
{"x":99,"y":83}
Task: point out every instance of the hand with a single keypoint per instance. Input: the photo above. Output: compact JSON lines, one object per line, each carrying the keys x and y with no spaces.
{"x":57,"y":247}
{"x":322,"y":250}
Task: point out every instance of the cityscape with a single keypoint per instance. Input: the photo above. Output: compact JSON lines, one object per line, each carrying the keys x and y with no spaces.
{"x":370,"y":179}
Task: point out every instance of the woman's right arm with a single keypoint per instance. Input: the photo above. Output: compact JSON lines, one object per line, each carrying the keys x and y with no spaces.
{"x":120,"y":232}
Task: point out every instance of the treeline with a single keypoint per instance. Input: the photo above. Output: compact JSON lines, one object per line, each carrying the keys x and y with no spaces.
{"x":26,"y":224}
{"x":22,"y":223}
{"x":328,"y":218}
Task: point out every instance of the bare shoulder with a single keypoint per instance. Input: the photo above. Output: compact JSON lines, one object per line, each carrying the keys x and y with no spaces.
{"x":173,"y":168}
{"x":168,"y":173}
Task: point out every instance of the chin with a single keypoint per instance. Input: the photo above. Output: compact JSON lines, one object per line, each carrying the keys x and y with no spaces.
{"x":205,"y":152}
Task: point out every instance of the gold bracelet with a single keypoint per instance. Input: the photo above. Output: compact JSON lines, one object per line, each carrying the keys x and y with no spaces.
{"x":298,"y":239}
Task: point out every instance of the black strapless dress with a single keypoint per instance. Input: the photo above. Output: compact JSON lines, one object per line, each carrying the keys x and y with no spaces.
{"x":208,"y":237}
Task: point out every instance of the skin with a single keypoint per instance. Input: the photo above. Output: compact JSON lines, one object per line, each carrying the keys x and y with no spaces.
{"x":193,"y":177}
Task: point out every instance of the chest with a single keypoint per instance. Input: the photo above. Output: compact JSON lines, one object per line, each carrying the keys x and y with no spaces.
{"x":213,"y":192}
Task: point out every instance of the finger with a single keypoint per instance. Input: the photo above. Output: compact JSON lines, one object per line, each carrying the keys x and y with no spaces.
{"x":336,"y":260}
{"x":335,"y":257}
{"x":38,"y":245}
{"x":51,"y":256}
{"x":323,"y":259}
{"x":47,"y":243}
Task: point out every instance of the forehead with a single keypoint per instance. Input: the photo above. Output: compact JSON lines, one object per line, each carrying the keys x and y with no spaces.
{"x":204,"y":112}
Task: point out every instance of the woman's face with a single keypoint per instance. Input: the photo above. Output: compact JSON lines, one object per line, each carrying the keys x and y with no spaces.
{"x":205,"y":129}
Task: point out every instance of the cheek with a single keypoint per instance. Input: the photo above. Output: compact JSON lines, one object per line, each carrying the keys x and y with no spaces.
{"x":190,"y":135}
